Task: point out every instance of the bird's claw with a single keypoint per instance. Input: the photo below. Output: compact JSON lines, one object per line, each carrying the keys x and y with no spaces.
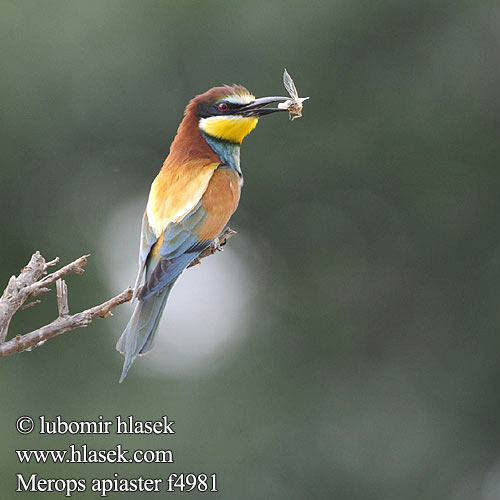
{"x":217,"y":246}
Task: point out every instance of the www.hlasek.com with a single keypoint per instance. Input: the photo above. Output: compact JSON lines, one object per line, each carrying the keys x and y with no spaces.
{"x":84,"y":455}
{"x":81,"y":454}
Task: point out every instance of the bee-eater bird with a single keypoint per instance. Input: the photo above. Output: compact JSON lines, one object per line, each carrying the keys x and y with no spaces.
{"x":190,"y":202}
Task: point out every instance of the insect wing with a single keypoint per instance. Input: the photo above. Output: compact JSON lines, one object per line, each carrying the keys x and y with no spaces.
{"x":290,"y":86}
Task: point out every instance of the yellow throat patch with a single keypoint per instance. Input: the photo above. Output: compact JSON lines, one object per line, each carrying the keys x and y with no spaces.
{"x":230,"y":128}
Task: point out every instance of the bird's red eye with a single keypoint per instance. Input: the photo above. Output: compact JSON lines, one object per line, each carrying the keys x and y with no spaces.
{"x":223,"y":106}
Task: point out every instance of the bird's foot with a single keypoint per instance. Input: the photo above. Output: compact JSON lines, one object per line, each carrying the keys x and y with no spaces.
{"x":217,"y":246}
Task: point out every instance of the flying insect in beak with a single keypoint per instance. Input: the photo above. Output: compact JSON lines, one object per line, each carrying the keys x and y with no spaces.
{"x":293,"y":105}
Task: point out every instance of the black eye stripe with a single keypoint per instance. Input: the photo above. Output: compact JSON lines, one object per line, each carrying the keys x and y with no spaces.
{"x":206,"y":110}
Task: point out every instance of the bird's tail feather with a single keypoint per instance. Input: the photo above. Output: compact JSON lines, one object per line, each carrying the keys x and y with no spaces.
{"x":138,"y":336}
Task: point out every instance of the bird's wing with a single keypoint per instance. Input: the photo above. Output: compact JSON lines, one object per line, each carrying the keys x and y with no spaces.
{"x":175,"y":250}
{"x":148,"y":239}
{"x":184,"y":240}
{"x":175,"y":192}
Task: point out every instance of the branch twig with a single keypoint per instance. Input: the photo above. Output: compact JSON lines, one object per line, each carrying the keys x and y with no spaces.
{"x":30,"y":284}
{"x":63,"y":324}
{"x":20,"y":289}
{"x":62,"y":298}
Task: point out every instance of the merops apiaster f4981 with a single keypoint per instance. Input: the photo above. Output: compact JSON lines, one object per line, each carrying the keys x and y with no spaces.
{"x":190,"y":202}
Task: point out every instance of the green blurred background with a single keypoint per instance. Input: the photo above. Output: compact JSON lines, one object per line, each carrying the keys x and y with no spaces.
{"x":346,"y":344}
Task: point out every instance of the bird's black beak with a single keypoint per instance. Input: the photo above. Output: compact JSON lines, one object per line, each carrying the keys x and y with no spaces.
{"x":256,"y":107}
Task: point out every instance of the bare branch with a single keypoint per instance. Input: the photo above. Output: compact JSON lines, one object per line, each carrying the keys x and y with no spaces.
{"x":74,"y":267}
{"x":53,"y":262}
{"x":30,"y":304}
{"x":63,"y":324}
{"x":30,"y":284}
{"x":15,"y":294}
{"x":62,"y":298}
